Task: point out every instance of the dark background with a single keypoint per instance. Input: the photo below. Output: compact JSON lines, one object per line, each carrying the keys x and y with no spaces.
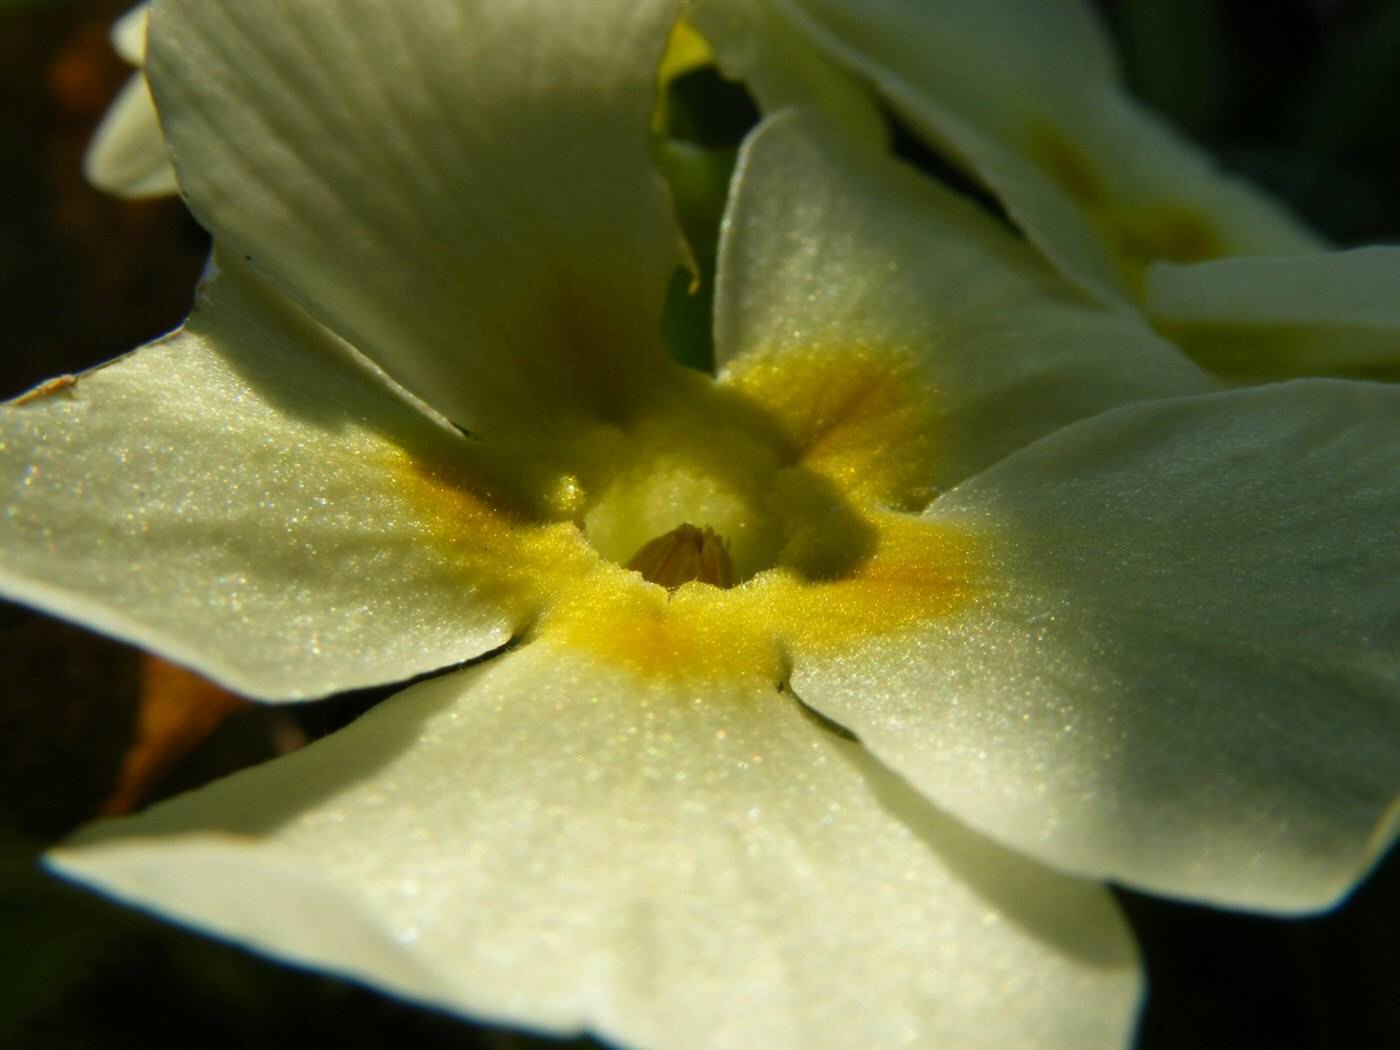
{"x":1304,"y":95}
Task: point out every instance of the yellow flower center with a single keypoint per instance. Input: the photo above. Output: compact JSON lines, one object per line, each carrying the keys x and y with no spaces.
{"x":719,"y":526}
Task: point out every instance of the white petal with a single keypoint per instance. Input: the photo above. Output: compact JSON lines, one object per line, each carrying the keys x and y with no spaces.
{"x":985,"y":53}
{"x":551,"y":841}
{"x":1184,"y":668}
{"x":231,"y":496}
{"x":129,"y":34}
{"x":1025,"y":95}
{"x":1330,"y":313}
{"x":461,"y":189}
{"x":831,"y":250}
{"x":127,"y":154}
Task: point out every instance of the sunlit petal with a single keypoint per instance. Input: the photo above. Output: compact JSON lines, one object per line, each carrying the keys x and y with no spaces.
{"x":240,"y":496}
{"x":461,"y":189}
{"x":910,"y":337}
{"x":1184,"y":670}
{"x":560,"y":843}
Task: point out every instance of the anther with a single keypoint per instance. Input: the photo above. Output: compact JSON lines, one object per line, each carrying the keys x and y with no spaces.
{"x":685,"y":553}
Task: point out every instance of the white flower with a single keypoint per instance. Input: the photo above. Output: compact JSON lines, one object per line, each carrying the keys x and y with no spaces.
{"x":1026,"y":95}
{"x":1085,"y":616}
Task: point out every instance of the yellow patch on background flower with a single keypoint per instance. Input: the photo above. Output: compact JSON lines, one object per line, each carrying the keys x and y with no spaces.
{"x":1136,"y":233}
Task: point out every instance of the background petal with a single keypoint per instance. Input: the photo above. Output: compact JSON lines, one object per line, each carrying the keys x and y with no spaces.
{"x":782,"y":68}
{"x":1026,"y":96}
{"x":127,"y":155}
{"x":129,"y":33}
{"x":232,"y":497}
{"x":1329,"y":313}
{"x":461,"y":189}
{"x":1184,"y":673}
{"x":554,"y":841}
{"x":835,"y":253}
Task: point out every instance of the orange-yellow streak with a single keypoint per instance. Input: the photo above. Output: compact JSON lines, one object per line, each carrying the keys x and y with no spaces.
{"x":1135,"y":232}
{"x":920,"y":572}
{"x":862,"y":417}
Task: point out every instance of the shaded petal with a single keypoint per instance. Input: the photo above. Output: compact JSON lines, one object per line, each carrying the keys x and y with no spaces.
{"x":1333,"y":313}
{"x":554,"y":841}
{"x":905,"y":338}
{"x":1184,"y":670}
{"x":782,"y":69}
{"x":1025,"y":95}
{"x":987,"y":53}
{"x":238,"y":496}
{"x":461,"y":189}
{"x":127,"y":154}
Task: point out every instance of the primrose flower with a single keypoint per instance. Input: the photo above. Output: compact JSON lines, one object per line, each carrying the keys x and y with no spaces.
{"x":809,"y":702}
{"x":1026,"y":95}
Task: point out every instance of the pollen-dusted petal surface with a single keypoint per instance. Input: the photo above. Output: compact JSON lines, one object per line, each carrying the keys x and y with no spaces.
{"x":555,"y":841}
{"x":1025,"y":95}
{"x":1328,"y":313}
{"x":904,"y":339}
{"x":239,"y":497}
{"x":461,"y":189}
{"x":1182,"y":670}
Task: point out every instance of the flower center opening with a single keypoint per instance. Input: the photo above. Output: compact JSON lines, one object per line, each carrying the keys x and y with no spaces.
{"x":706,"y":484}
{"x":678,"y":508}
{"x":684,"y":554}
{"x":686,"y":490}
